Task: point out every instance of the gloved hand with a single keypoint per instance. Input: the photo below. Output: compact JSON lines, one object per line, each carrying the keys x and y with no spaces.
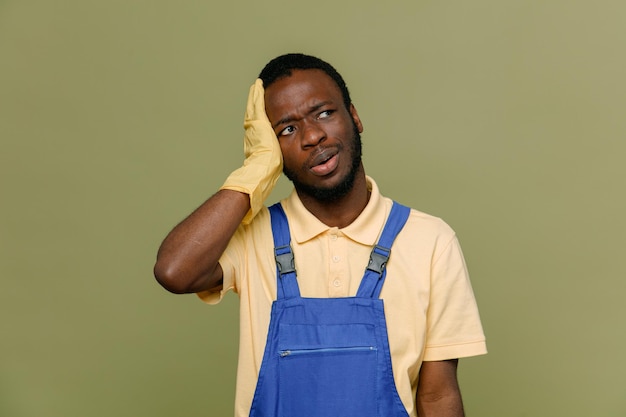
{"x":264,"y":162}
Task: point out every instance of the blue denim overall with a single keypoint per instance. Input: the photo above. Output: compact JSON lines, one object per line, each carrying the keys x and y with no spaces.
{"x":328,"y":357}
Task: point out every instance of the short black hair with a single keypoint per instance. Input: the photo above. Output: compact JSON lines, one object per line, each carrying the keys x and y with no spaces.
{"x":283,"y":65}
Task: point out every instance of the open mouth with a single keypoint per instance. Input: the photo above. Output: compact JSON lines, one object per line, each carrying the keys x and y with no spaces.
{"x":325,"y":162}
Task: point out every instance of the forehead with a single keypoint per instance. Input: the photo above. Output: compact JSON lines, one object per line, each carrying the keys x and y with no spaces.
{"x":301,"y":88}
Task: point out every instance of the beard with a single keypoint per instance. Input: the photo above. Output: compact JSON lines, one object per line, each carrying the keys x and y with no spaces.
{"x":337,"y":191}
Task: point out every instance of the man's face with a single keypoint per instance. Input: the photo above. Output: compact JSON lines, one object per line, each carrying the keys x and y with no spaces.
{"x":319,"y":138}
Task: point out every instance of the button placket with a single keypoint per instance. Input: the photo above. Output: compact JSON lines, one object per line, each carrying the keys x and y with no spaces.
{"x":337,"y":280}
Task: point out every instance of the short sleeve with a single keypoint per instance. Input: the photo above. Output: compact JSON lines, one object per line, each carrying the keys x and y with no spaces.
{"x":229,"y":266}
{"x":454,"y":327}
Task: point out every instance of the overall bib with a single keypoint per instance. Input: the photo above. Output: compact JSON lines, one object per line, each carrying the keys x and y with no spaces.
{"x":328,"y":357}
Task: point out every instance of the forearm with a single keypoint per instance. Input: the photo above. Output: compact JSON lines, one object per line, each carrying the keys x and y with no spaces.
{"x":438,"y":393}
{"x":447,"y":406}
{"x":187,"y":260}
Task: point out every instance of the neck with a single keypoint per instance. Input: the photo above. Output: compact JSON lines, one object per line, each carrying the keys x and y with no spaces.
{"x":343,"y":211}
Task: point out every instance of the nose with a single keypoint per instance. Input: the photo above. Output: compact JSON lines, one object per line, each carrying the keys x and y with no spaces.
{"x":312,"y":135}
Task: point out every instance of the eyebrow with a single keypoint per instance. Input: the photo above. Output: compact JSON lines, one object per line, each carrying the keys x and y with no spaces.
{"x":289,"y":119}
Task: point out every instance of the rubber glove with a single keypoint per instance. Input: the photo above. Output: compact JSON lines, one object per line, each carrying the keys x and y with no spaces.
{"x":264,"y":162}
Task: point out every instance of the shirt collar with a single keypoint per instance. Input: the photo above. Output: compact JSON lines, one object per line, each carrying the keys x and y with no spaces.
{"x":365,"y":229}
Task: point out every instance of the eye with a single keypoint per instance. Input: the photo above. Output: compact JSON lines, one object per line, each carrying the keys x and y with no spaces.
{"x":287,"y":131}
{"x":325,"y":114}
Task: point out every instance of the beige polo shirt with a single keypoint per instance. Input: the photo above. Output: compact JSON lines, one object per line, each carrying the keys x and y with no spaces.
{"x":429,"y":304}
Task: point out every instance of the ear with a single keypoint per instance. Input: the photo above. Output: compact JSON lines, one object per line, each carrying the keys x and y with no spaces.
{"x":356,"y":118}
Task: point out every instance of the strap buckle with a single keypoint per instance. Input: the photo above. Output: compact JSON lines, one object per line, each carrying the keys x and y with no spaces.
{"x":285,"y":260}
{"x":378,"y":259}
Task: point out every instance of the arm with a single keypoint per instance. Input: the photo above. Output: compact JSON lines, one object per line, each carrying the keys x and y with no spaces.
{"x":188,"y":259}
{"x":438,"y":393}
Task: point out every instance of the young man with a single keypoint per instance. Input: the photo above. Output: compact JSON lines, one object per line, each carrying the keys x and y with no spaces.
{"x":322,"y":343}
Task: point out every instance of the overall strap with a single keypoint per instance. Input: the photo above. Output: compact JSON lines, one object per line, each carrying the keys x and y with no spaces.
{"x":286,"y":283}
{"x":374,"y":277}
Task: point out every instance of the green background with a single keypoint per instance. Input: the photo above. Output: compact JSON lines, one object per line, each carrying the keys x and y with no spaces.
{"x":117,"y":118}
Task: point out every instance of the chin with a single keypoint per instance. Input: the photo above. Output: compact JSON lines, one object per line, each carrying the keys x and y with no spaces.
{"x":338,"y":188}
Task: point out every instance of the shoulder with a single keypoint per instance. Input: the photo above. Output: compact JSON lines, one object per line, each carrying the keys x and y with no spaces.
{"x":420,"y":223}
{"x":426,"y":225}
{"x":424,"y":235}
{"x":259,"y":228}
{"x":429,"y":223}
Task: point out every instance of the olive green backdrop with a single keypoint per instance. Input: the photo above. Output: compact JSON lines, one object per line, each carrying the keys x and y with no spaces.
{"x":117,"y":118}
